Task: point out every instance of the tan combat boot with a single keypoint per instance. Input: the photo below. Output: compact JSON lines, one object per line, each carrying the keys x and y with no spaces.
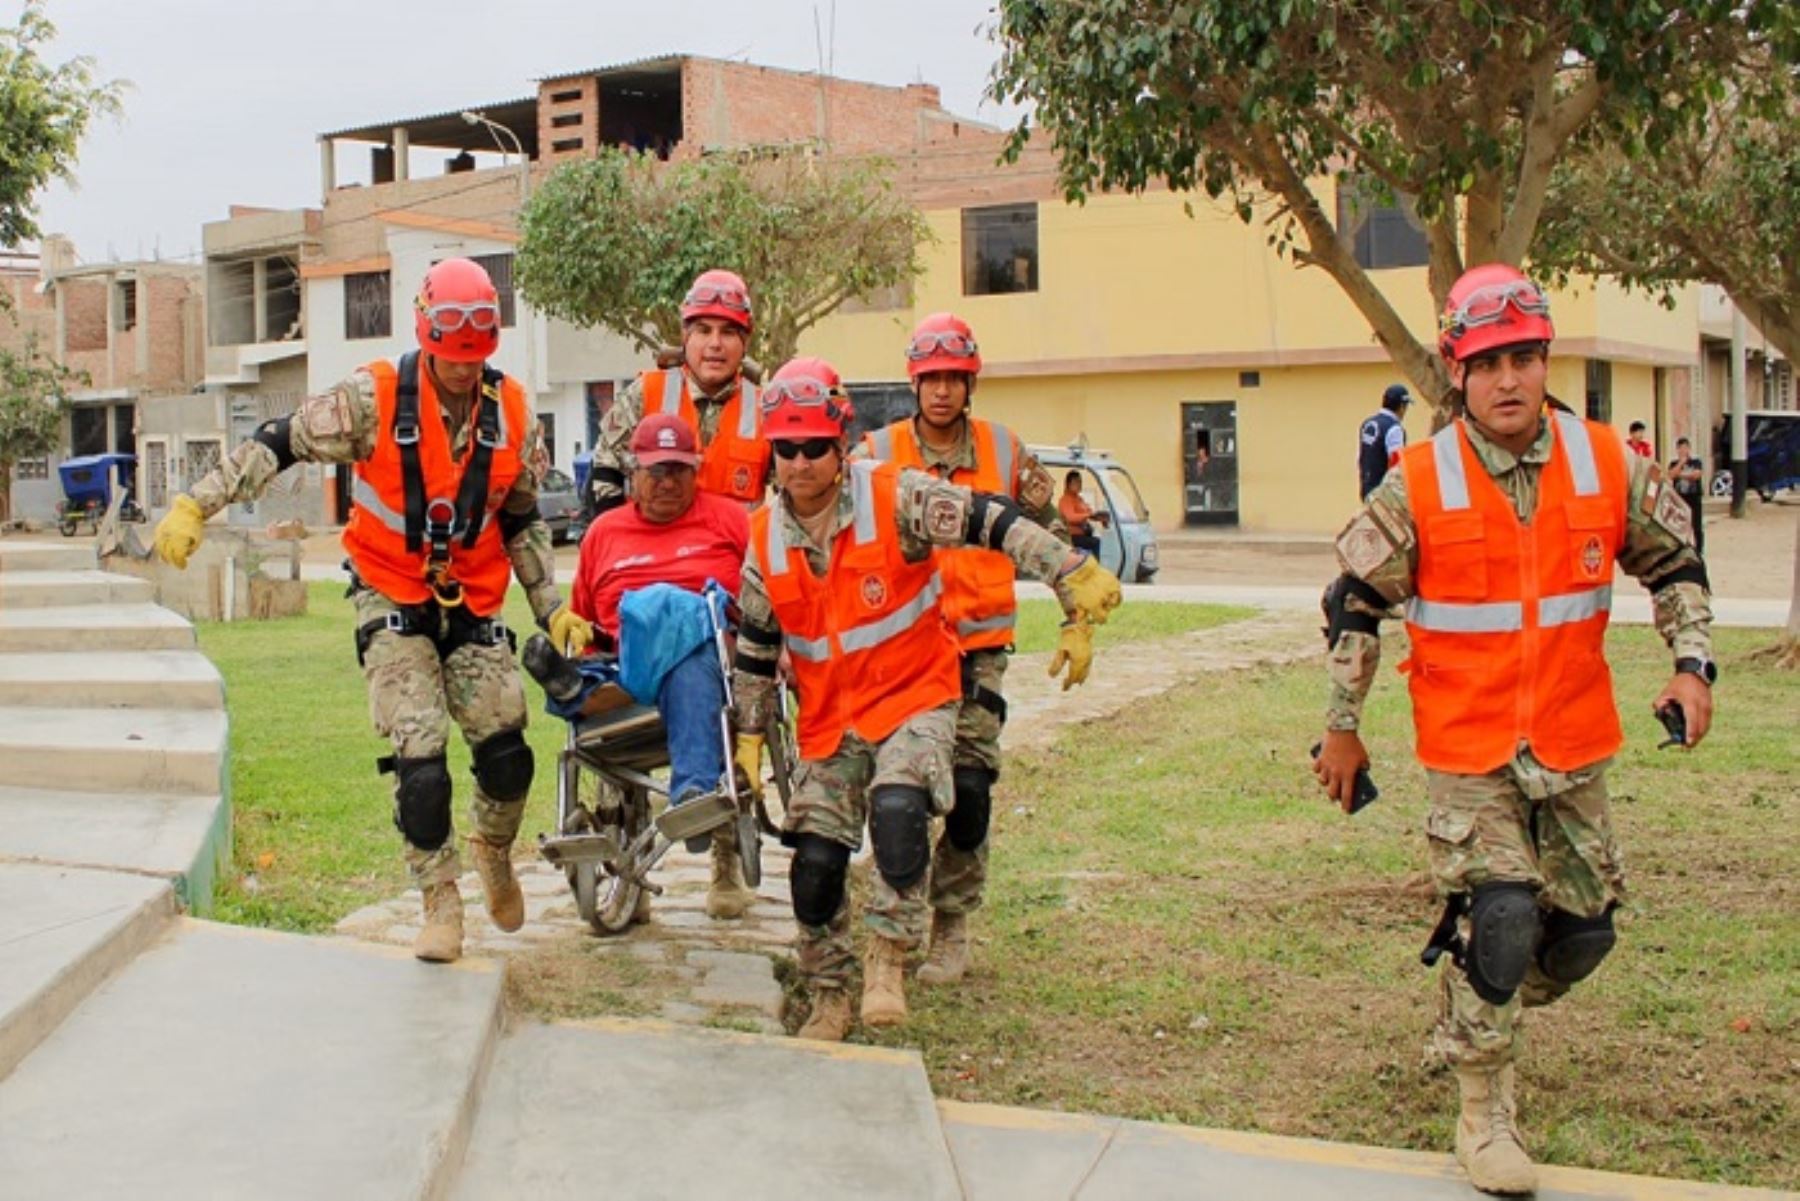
{"x":948,"y":958}
{"x":1488,"y":1144}
{"x":830,"y":1019}
{"x":440,"y":938}
{"x":499,"y":887}
{"x":884,"y":984}
{"x":729,"y":896}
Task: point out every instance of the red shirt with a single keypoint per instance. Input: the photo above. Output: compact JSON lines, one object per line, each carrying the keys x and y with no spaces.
{"x":622,"y":552}
{"x":1641,"y":448}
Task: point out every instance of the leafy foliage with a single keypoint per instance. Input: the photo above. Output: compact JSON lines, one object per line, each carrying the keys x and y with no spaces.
{"x":1463,"y":106}
{"x":33,"y":395}
{"x":614,"y":241}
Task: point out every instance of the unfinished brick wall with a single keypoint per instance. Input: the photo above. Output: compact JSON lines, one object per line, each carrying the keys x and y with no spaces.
{"x":568,"y":113}
{"x":174,"y":309}
{"x":85,"y":313}
{"x":737,"y":104}
{"x":32,"y":316}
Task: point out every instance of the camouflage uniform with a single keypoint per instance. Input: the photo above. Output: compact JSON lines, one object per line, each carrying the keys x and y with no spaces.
{"x":613,"y":450}
{"x":958,"y":877}
{"x":1523,"y":822}
{"x":831,"y":800}
{"x":412,"y":697}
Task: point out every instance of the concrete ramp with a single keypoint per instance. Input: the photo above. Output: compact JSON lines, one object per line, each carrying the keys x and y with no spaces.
{"x":652,"y":1111}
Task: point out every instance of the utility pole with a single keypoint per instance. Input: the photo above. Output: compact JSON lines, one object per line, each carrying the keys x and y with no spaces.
{"x":1740,"y":453}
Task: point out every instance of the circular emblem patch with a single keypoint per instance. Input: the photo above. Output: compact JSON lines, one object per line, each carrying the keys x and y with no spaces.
{"x":874,"y":591}
{"x":1593,"y":557}
{"x":740,"y":479}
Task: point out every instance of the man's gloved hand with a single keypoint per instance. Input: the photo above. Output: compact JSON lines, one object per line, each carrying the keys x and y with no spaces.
{"x":1089,"y":592}
{"x":749,"y":757}
{"x":570,"y":632}
{"x":179,"y":533}
{"x":1074,"y":649}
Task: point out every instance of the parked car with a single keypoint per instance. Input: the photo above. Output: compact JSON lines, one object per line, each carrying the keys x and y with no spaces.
{"x":559,"y":504}
{"x":1773,"y":454}
{"x":1127,"y":543}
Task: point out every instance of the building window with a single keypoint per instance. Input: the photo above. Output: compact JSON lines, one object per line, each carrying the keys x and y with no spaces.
{"x":125,"y":298}
{"x":500,"y":269}
{"x":32,"y":469}
{"x":203,"y":457}
{"x":1000,"y":249}
{"x":547,"y":425}
{"x":154,"y":479}
{"x":368,"y":312}
{"x":1599,"y":391}
{"x":1380,"y":234}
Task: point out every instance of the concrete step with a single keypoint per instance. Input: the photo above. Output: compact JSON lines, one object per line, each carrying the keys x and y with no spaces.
{"x":127,"y":627}
{"x":44,"y":589}
{"x":111,"y":680}
{"x":116,"y":750}
{"x":62,"y":931}
{"x":186,"y":840}
{"x":227,"y":1062}
{"x":21,"y":556}
{"x":1005,"y":1154}
{"x":648,"y":1110}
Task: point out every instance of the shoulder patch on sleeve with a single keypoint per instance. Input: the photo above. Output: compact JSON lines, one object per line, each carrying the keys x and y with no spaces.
{"x":328,"y":416}
{"x":1035,"y":486}
{"x":943,"y":518}
{"x":1671,"y":513}
{"x":1365,"y":545}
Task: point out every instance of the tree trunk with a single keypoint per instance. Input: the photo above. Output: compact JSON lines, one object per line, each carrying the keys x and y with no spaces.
{"x":1785,"y":654}
{"x":6,"y":470}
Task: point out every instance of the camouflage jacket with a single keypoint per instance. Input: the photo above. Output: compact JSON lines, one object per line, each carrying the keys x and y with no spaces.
{"x":613,"y":450}
{"x":1036,"y":491}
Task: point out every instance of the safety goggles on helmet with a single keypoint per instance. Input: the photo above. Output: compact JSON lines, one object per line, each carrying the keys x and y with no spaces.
{"x":801,"y":391}
{"x":483,"y":315}
{"x":923,"y":346}
{"x":1487,"y":305}
{"x":723,"y":295}
{"x":807,"y":448}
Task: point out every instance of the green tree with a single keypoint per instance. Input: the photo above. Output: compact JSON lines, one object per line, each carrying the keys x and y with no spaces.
{"x":614,"y":241}
{"x":33,"y":396}
{"x":1463,"y":106}
{"x":44,"y":111}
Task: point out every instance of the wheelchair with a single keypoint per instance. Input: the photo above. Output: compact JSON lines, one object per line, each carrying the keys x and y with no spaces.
{"x":609,"y":834}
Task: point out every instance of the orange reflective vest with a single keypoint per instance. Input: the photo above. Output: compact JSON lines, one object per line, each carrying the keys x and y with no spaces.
{"x":1508,"y":620}
{"x":388,"y":557}
{"x":979,"y":601}
{"x":736,"y":462}
{"x":867,"y":641}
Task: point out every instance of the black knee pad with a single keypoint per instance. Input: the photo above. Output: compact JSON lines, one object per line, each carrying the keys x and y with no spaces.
{"x":1573,"y":946}
{"x":900,"y":828}
{"x":422,"y":801}
{"x":967,"y":825}
{"x":1505,"y":924}
{"x":504,"y":766}
{"x":816,"y":878}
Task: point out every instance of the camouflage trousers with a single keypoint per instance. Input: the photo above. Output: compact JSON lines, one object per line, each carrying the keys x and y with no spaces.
{"x":413,"y":697}
{"x":831,"y":799}
{"x":958,"y":877}
{"x":1527,"y":824}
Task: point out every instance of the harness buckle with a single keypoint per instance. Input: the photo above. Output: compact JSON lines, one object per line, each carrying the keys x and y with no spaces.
{"x":395,"y":622}
{"x":406,"y":435}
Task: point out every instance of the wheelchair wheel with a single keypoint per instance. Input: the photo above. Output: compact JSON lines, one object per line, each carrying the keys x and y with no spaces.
{"x":614,"y":898}
{"x":749,"y":844}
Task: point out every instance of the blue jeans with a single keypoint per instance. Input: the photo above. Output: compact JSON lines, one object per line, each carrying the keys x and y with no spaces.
{"x":691,"y":699}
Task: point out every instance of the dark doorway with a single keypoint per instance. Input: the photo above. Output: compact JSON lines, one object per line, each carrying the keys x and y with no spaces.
{"x":548,"y":421}
{"x":125,"y":429}
{"x":880,"y":404}
{"x":87,"y":430}
{"x":1209,"y":468}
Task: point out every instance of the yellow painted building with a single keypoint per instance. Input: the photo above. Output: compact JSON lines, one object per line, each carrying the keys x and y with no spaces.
{"x":1144,"y":329}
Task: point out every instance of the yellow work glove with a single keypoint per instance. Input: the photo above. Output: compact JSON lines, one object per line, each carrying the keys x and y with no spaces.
{"x":1074,"y":650}
{"x":570,"y":632}
{"x":749,"y":757}
{"x":1090,"y":591}
{"x":179,"y":533}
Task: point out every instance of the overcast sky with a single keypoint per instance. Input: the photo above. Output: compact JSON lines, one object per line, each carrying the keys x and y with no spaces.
{"x":227,"y":97}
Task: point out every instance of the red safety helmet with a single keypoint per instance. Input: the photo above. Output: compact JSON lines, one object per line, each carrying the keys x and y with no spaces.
{"x":718,"y":293}
{"x":1490,"y":306}
{"x":457,"y":312}
{"x":943,"y":342}
{"x":806,"y":399}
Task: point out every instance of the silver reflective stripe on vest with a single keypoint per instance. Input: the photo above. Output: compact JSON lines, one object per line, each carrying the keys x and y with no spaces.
{"x":776,"y":550}
{"x":1003,"y":454}
{"x":813,"y":650}
{"x":1495,"y":617}
{"x":1453,"y":483}
{"x":881,"y":443}
{"x":363,"y":494}
{"x":1574,"y":606}
{"x":1580,"y":449}
{"x":671,"y":391}
{"x":747,"y":401}
{"x":875,"y":633}
{"x":862,"y":494}
{"x":1000,"y":621}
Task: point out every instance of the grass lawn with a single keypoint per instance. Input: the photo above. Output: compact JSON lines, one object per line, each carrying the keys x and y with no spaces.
{"x":1180,"y":928}
{"x":313,"y":835}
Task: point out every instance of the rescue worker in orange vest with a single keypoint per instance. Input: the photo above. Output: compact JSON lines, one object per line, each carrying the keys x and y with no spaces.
{"x":841,"y":574}
{"x":448,"y":456}
{"x":1499,"y":536}
{"x":708,"y":389}
{"x":983,"y":456}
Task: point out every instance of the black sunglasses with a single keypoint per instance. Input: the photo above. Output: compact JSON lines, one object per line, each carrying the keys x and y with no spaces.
{"x":812,"y":448}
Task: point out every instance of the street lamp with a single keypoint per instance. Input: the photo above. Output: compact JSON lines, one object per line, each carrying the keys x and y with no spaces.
{"x":496,"y":129}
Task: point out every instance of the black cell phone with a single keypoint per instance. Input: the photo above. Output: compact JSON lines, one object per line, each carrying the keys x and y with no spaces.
{"x":1674,"y":720}
{"x":1366,"y":793}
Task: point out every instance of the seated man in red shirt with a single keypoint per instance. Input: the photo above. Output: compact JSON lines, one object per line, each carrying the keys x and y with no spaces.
{"x":671,"y":533}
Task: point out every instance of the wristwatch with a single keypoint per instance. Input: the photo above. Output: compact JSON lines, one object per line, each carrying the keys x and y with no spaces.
{"x":1694,"y":665}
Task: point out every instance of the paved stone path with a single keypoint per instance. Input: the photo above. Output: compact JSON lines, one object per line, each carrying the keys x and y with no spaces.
{"x":692,"y":969}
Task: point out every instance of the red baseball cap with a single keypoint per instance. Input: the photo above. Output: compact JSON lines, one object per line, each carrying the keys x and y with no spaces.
{"x":664,"y":438}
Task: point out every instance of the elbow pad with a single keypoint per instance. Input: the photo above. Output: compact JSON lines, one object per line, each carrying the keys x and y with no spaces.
{"x":1691,"y":573}
{"x":1340,"y":618}
{"x":277,"y":435}
{"x":980,"y":531}
{"x":513,"y":524}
